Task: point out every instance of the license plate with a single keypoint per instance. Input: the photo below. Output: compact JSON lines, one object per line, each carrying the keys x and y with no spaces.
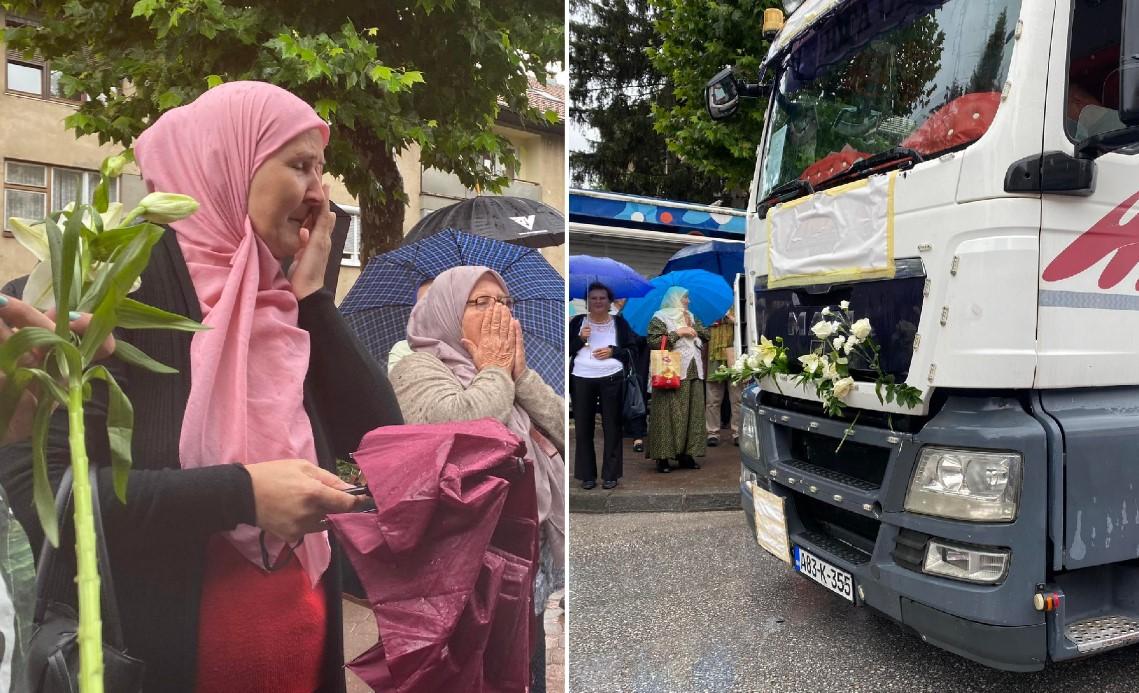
{"x":834,"y":579}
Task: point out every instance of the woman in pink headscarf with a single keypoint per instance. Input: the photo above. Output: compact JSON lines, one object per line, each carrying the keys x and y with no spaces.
{"x":468,"y":361}
{"x":225,"y":579}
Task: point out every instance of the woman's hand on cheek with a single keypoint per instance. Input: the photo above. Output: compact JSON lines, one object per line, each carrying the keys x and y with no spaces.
{"x":307,"y":271}
{"x":496,"y":346}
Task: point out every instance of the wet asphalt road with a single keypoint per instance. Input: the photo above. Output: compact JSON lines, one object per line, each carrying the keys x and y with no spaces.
{"x":688,"y":602}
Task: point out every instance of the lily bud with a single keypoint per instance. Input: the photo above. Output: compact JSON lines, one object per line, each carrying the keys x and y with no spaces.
{"x":163,"y":208}
{"x":113,"y":165}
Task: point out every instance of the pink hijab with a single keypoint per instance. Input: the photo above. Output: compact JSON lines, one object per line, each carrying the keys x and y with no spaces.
{"x":247,"y":371}
{"x":435,"y":327}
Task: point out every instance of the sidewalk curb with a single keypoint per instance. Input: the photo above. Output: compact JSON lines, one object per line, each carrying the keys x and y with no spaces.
{"x":678,"y":501}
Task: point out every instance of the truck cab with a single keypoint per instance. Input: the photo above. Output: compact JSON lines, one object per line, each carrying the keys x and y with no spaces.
{"x":964,"y":174}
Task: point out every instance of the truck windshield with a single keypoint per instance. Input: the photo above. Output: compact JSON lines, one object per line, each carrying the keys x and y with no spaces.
{"x":883,"y":74}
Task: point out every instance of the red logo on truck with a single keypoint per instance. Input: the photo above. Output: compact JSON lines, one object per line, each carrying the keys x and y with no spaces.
{"x":1106,"y":236}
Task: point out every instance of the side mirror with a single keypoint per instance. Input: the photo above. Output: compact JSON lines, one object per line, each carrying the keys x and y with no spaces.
{"x":721,"y":95}
{"x":1129,"y":64}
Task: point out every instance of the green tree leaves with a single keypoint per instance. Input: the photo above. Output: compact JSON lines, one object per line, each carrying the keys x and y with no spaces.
{"x":429,"y":73}
{"x":698,"y":38}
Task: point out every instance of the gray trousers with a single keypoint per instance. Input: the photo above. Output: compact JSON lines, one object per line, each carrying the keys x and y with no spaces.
{"x":715,"y":397}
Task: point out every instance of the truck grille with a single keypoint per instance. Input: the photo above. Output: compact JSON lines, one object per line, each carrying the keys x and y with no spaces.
{"x":893,"y":306}
{"x":856,"y":465}
{"x":909,"y":549}
{"x":825,"y":524}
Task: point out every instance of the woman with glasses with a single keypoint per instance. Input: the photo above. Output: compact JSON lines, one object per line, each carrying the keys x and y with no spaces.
{"x":468,"y":361}
{"x":225,"y":577}
{"x":601,"y":346}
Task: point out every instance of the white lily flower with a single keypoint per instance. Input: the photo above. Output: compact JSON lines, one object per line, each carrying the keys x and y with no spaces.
{"x":767,"y":351}
{"x":38,"y":291}
{"x":811,"y":363}
{"x":830,"y":371}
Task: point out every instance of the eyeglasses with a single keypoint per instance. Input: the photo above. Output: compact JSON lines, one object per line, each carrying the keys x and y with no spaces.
{"x":484,"y":302}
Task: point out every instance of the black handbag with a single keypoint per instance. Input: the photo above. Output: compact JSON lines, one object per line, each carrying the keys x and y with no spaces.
{"x":634,"y":405}
{"x":53,"y":649}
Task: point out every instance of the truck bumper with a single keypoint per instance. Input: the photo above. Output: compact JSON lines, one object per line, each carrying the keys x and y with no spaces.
{"x":851,"y":516}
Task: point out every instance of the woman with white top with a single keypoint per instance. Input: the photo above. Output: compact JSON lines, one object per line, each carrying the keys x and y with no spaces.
{"x":676,"y":425}
{"x":600,"y":348}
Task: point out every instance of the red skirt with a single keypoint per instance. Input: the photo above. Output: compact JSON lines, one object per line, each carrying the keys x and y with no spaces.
{"x":258,"y":631}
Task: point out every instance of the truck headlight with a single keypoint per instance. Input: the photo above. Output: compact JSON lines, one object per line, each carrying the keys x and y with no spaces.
{"x":749,"y":433}
{"x":967,"y":563}
{"x":966,"y":485}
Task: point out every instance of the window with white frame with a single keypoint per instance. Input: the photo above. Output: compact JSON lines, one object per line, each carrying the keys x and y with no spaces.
{"x":32,"y":191}
{"x":351,"y":255}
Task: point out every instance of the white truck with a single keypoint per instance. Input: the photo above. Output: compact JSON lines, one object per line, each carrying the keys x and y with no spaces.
{"x":965,"y":174}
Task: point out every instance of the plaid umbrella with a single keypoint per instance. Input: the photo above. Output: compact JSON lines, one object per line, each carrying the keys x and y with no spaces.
{"x":379,"y":303}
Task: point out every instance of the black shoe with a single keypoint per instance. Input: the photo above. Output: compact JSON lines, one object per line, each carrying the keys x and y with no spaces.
{"x":609,"y":484}
{"x":662,"y":467}
{"x":588,"y":484}
{"x":713,"y":441}
{"x":638,"y":446}
{"x":686,"y":462}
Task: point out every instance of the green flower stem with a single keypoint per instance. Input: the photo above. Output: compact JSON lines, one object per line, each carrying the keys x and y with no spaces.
{"x":87,"y":577}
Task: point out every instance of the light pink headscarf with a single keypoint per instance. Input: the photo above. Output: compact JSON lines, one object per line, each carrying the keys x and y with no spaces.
{"x":436,"y":327}
{"x":247,"y":372}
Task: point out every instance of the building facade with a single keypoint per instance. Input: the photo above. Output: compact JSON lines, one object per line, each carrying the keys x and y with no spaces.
{"x":43,"y":166}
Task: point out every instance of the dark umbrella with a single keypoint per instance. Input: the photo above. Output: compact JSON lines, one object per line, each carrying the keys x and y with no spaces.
{"x":447,"y":559}
{"x":718,"y":257}
{"x":379,"y":303}
{"x":514,"y":220}
{"x":621,"y":279}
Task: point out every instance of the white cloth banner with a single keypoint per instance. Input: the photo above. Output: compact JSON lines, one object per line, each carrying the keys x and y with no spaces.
{"x":770,"y":523}
{"x":840,"y":234}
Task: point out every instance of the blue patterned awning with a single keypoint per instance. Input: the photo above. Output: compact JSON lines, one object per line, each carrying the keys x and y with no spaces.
{"x":653,"y":214}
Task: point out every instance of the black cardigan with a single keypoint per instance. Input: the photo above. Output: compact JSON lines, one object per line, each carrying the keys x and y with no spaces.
{"x":625,"y":350}
{"x":158,"y":538}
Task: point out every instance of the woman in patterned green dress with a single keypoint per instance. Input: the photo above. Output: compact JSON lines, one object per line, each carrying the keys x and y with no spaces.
{"x":676,"y":420}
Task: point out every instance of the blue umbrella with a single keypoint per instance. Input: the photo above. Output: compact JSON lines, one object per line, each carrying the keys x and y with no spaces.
{"x":709,"y":298}
{"x":379,"y":303}
{"x":725,"y":258}
{"x":621,"y":279}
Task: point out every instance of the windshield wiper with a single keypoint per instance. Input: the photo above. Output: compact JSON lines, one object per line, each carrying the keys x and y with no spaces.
{"x":790,"y":190}
{"x":1106,"y":142}
{"x":899,"y":154}
{"x":894,"y":155}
